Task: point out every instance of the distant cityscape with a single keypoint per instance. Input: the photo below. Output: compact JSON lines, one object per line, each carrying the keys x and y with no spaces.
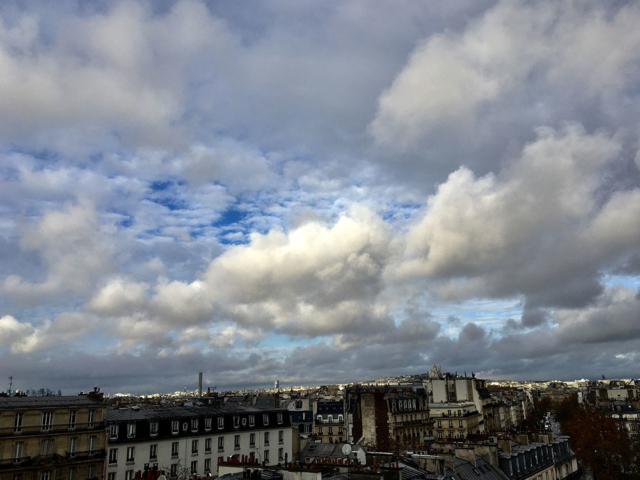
{"x":432,"y":425}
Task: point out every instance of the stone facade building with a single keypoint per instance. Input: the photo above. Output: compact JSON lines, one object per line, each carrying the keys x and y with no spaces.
{"x":52,"y":438}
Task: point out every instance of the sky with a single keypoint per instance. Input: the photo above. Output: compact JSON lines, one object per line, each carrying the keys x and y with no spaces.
{"x":317,"y":192}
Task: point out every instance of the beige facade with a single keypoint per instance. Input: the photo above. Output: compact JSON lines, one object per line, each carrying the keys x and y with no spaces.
{"x":455,"y":420}
{"x":52,"y":438}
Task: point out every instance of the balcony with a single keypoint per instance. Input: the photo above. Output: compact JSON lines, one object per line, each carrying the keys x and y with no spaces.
{"x":329,"y":422}
{"x":54,"y":429}
{"x":44,"y":460}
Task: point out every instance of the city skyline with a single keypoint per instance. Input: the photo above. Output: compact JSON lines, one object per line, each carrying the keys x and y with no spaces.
{"x":317,"y":193}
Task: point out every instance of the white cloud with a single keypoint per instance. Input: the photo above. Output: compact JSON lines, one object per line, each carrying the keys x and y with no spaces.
{"x":453,"y":80}
{"x":75,"y":246}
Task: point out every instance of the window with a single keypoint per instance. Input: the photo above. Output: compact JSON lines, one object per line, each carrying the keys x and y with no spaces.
{"x":252,"y":440}
{"x":319,"y":430}
{"x":17,"y":451}
{"x":91,"y":420}
{"x":221,"y":443}
{"x":72,"y":473}
{"x":439,"y":423}
{"x":47,"y":422}
{"x":174,"y":469}
{"x":185,"y":426}
{"x":220,"y":423}
{"x":131,"y":430}
{"x":111,"y":476}
{"x":236,"y":441}
{"x":153,"y":429}
{"x":194,"y":446}
{"x":131,"y":451}
{"x":113,"y":455}
{"x":449,"y":412}
{"x":73,"y":417}
{"x":45,"y":475}
{"x":194,"y":425}
{"x":459,"y":413}
{"x":207,"y":464}
{"x":175,"y":449}
{"x":280,"y":454}
{"x":236,"y":422}
{"x":450,"y":423}
{"x":220,"y":460}
{"x":91,"y":471}
{"x":17,"y":422}
{"x":266,"y":438}
{"x":73,"y":443}
{"x":339,"y":430}
{"x":252,"y":420}
{"x":265,"y":419}
{"x":330,"y":430}
{"x":439,"y":434}
{"x":113,"y":432}
{"x":460,"y":423}
{"x":153,"y":451}
{"x":207,"y":424}
{"x":207,"y":445}
{"x":194,"y":467}
{"x":128,"y":475}
{"x":92,"y":444}
{"x":46,"y":447}
{"x":266,"y":456}
{"x":280,"y":436}
{"x":279,"y":419}
{"x":175,"y":427}
{"x":17,"y":476}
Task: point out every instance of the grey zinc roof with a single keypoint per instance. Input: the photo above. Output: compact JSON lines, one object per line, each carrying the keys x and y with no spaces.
{"x":12,"y":403}
{"x":159,"y":412}
{"x":332,"y":450}
{"x":482,"y":471}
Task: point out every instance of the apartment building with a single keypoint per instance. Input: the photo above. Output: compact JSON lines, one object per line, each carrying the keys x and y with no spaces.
{"x":179,"y":439}
{"x":329,"y":423}
{"x":455,"y":420}
{"x":52,"y":438}
{"x":390,"y":418}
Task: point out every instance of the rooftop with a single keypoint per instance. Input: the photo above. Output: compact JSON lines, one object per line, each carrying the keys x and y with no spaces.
{"x":47,"y":402}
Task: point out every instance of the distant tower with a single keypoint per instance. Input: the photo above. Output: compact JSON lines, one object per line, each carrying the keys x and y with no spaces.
{"x":276,"y":385}
{"x":11,"y":385}
{"x":200,"y":385}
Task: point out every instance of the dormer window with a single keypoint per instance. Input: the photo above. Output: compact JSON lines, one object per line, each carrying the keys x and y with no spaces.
{"x":265,"y":419}
{"x":279,"y":419}
{"x":194,"y":425}
{"x":207,"y":424}
{"x":175,"y":427}
{"x":153,"y":429}
{"x":185,"y":426}
{"x":113,"y":431}
{"x":220,"y":423}
{"x":340,"y":419}
{"x":236,"y":422}
{"x":252,"y":420}
{"x":131,"y":430}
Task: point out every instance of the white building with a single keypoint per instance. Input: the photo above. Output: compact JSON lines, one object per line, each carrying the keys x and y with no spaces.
{"x":193,"y":439}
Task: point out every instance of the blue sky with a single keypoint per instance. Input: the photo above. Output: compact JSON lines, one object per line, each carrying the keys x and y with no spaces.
{"x":317,"y":193}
